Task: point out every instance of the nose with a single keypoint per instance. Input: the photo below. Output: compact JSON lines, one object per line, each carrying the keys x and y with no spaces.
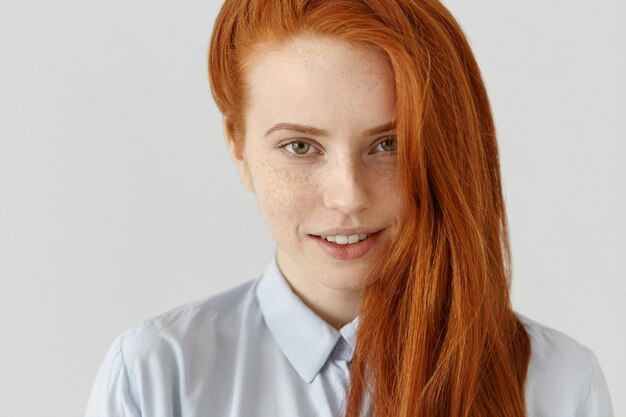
{"x":346,"y":186}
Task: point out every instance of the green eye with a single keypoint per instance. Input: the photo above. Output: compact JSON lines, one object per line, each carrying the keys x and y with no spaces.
{"x":299,"y":148}
{"x":387,"y":145}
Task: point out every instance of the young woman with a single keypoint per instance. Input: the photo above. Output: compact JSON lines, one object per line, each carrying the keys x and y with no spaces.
{"x":364,"y":130}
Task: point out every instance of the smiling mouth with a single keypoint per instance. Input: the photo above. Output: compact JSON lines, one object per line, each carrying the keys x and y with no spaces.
{"x":345,"y":239}
{"x":349,"y":246}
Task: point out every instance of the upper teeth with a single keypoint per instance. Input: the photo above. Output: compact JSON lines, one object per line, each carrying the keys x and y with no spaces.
{"x":344,"y":240}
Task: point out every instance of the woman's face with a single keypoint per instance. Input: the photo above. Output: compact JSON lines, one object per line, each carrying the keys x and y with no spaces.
{"x":319,"y":153}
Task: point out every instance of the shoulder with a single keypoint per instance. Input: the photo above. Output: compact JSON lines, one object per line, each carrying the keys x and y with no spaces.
{"x":150,"y":364}
{"x":555,"y":347}
{"x":180,"y":332}
{"x":564,"y":376}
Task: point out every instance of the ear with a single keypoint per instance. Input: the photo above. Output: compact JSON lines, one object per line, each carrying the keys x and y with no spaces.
{"x":235,"y":146}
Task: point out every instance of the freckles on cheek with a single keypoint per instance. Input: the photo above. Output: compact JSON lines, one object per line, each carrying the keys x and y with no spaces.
{"x":386,"y":183}
{"x":283,"y":195}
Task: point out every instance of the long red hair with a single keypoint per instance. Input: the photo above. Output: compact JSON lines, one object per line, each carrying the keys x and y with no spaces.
{"x":437,"y":334}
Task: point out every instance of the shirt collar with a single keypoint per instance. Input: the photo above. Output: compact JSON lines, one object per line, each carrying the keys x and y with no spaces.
{"x":305,"y":338}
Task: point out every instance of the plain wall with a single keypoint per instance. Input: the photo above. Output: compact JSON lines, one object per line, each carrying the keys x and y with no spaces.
{"x":118,"y":199}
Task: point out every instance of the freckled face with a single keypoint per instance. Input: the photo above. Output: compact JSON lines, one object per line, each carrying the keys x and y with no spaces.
{"x":339,"y":175}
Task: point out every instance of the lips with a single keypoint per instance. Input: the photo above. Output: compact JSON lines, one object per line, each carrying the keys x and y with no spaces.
{"x":347,"y":251}
{"x":348,"y":231}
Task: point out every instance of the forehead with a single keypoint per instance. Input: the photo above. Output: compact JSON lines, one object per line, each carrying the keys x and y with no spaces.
{"x":322,"y":81}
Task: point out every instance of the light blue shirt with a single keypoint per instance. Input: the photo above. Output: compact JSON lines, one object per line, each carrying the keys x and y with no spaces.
{"x":258,"y":350}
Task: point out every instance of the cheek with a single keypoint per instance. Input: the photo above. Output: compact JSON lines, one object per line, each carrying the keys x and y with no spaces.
{"x":285,"y":195}
{"x":387,"y":189}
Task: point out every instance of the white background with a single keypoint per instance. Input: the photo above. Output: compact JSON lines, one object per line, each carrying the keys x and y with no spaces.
{"x":118,"y":199}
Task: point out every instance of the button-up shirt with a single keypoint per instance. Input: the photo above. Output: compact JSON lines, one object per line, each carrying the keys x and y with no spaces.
{"x":258,"y":350}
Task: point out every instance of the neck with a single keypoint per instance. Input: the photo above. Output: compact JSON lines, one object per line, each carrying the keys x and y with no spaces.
{"x":337,"y":307}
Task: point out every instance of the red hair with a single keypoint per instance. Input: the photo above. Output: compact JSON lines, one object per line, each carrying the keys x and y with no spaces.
{"x":437,"y":334}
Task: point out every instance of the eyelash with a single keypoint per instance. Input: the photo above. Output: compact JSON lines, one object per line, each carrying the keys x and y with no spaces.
{"x":296,"y":155}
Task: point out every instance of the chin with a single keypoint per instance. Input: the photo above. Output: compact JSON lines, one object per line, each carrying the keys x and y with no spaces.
{"x":354,"y":281}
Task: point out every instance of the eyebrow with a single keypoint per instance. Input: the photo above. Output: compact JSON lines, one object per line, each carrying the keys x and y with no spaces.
{"x":310,"y":130}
